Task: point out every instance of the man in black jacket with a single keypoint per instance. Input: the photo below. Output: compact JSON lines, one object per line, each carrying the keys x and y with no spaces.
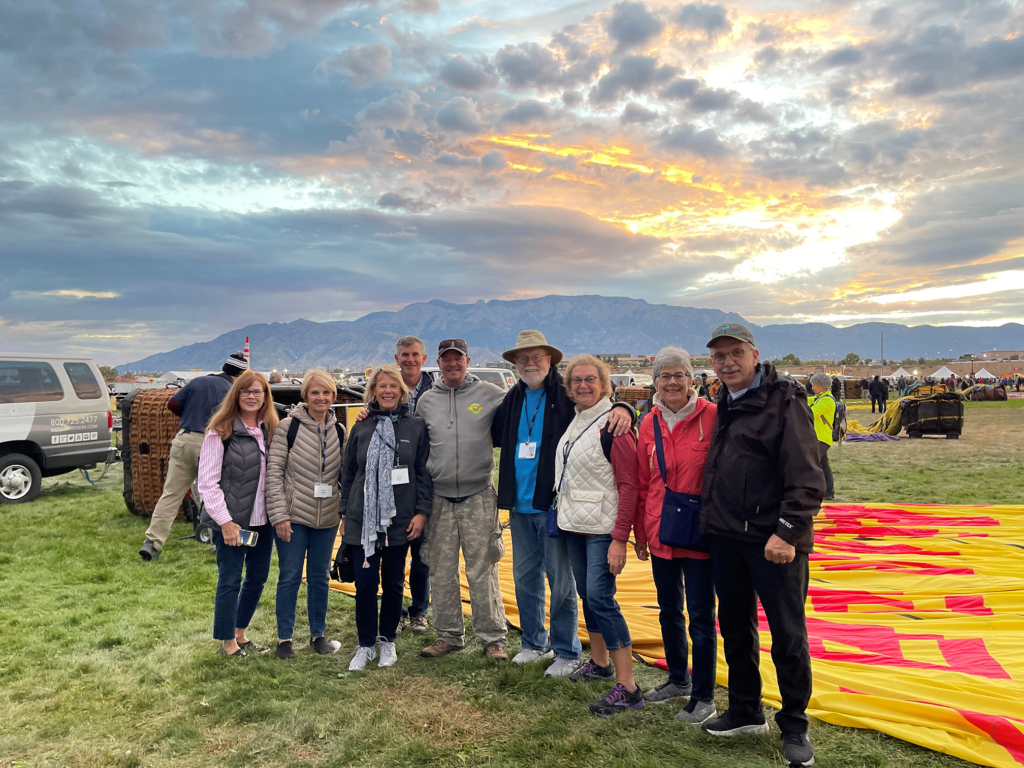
{"x":763,"y":484}
{"x":879,"y":392}
{"x":530,"y":421}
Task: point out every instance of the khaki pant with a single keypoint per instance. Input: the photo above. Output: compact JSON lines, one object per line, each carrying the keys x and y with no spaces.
{"x":473,"y":526}
{"x":182,"y":468}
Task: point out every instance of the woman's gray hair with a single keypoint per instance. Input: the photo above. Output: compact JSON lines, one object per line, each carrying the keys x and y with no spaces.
{"x":669,"y":356}
{"x":821,"y":380}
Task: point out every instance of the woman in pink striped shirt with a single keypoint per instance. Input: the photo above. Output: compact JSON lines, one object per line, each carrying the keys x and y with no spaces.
{"x":232,"y":472}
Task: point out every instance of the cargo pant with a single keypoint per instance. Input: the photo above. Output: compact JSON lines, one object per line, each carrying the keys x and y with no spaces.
{"x":182,"y":468}
{"x":472,"y":525}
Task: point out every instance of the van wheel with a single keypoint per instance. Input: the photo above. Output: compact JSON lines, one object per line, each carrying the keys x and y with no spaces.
{"x":20,"y":479}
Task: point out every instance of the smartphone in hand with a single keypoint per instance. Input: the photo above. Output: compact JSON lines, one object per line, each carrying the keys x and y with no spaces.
{"x":249,"y":538}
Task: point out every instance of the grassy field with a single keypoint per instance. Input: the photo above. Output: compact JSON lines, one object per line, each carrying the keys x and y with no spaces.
{"x":107,"y":661}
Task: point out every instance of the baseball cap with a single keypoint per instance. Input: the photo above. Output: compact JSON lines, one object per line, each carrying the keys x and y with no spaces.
{"x":736,"y":331}
{"x":448,"y":344}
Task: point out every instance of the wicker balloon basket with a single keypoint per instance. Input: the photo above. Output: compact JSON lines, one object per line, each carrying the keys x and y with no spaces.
{"x":149,"y":429}
{"x":640,"y":397}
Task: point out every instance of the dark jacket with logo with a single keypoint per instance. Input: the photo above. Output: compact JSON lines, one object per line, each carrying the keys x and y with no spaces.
{"x":411,"y":499}
{"x":763,"y":475}
{"x":559,"y":411}
{"x":240,"y":474}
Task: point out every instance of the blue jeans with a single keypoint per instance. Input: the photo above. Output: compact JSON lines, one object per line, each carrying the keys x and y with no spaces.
{"x":387,"y":566}
{"x":419,"y":582}
{"x":535,"y":554}
{"x":696,"y":577}
{"x":236,"y":599}
{"x":596,"y":585}
{"x":314,"y":547}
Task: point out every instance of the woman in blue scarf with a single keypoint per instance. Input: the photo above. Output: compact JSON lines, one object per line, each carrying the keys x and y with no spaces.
{"x":386,"y":494}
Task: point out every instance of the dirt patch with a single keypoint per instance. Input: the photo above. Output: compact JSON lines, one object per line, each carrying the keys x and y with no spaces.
{"x":440,"y":716}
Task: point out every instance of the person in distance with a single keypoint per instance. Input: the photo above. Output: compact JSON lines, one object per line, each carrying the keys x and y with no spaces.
{"x":823,"y":409}
{"x":595,"y":474}
{"x":683,"y":576}
{"x":232,"y":477}
{"x":386,"y":493}
{"x":302,"y":503}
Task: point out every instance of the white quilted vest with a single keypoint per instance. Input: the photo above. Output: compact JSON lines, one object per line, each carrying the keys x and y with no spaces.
{"x":590,"y":502}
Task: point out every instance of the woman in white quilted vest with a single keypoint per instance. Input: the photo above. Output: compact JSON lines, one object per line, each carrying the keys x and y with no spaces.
{"x":302,"y":503}
{"x":596,"y":475}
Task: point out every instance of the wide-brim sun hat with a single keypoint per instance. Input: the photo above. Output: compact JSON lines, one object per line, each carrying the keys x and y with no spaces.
{"x":532,"y":340}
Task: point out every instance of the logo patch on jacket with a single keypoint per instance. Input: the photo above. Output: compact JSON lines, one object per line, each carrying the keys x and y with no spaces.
{"x":475,"y":408}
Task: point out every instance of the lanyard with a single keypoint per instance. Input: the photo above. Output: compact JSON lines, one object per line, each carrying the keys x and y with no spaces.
{"x":531,"y":421}
{"x":568,"y":446}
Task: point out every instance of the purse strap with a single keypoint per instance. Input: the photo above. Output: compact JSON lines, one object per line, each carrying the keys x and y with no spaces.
{"x":568,"y":448}
{"x":659,"y":448}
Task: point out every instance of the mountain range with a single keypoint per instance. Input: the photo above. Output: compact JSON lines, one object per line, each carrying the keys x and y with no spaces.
{"x":596,"y":324}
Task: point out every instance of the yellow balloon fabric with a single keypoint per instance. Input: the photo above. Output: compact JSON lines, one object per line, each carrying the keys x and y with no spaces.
{"x":915,"y":617}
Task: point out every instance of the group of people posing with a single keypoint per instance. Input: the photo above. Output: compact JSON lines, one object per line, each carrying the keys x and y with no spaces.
{"x":718,"y":496}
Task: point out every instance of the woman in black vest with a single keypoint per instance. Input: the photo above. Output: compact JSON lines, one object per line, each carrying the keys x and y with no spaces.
{"x":232,"y":472}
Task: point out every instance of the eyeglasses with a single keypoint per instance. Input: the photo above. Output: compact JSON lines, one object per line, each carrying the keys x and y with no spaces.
{"x":255,"y":393}
{"x":524,"y":359}
{"x":736,"y":354}
{"x":589,"y":381}
{"x":665,"y":378}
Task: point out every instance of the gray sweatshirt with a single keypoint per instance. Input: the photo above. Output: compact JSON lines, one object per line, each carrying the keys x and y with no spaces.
{"x":459,"y":427}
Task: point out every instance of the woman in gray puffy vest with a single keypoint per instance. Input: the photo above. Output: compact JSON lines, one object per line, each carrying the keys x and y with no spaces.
{"x":302,"y":502}
{"x":232,"y":472}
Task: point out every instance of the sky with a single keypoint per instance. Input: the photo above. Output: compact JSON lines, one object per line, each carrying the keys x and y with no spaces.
{"x":174,"y":169}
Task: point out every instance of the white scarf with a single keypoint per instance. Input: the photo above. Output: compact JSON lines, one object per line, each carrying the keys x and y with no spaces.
{"x":670,"y":417}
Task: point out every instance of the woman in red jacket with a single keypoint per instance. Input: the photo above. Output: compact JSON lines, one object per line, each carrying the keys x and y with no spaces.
{"x":685,"y":423}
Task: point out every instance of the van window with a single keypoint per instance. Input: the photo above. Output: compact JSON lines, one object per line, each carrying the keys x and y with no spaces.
{"x":494,"y":377}
{"x":23,"y":381}
{"x":83,"y":380}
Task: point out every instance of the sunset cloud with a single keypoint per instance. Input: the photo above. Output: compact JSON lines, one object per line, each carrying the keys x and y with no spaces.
{"x":809,"y":162}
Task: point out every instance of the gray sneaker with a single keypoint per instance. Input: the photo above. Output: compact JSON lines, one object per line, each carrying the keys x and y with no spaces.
{"x":149,"y":551}
{"x":697,"y":712}
{"x":667,"y":692}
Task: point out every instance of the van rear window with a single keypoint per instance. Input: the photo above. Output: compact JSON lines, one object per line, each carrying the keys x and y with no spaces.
{"x":28,"y":382}
{"x":83,"y":380}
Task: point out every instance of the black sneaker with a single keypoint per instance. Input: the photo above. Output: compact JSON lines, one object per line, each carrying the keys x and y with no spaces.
{"x":730,"y":724}
{"x":149,"y":551}
{"x":798,"y":749}
{"x":618,"y":700}
{"x":323,"y":645}
{"x":284,"y":650}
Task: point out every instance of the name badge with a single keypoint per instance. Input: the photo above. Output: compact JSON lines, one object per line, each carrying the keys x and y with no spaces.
{"x":563,"y":484}
{"x":527,"y":450}
{"x":399,"y":475}
{"x":321,"y":491}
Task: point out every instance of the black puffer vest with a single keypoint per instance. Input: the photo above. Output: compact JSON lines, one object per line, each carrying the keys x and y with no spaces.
{"x":240,"y":474}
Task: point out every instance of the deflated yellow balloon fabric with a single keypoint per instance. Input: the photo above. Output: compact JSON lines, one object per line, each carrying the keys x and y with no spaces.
{"x":915,"y":617}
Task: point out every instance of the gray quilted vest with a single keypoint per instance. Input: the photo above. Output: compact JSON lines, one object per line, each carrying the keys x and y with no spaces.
{"x":240,"y":474}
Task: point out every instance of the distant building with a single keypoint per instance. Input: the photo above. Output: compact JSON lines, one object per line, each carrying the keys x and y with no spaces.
{"x":997,"y":354}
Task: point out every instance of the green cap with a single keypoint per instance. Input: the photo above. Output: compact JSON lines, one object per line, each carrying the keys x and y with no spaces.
{"x":732,"y":331}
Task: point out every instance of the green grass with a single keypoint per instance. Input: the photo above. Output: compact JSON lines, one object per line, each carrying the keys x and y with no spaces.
{"x":108,"y":661}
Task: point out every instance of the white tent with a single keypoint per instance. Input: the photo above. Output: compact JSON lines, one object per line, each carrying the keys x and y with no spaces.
{"x":983,"y":374}
{"x":901,"y":372}
{"x":943,"y":373}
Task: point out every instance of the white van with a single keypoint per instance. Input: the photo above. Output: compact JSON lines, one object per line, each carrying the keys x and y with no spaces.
{"x":500,"y":377}
{"x":55,"y":417}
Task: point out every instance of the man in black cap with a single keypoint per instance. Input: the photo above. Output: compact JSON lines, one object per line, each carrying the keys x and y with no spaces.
{"x":763,"y":484}
{"x":194,"y":404}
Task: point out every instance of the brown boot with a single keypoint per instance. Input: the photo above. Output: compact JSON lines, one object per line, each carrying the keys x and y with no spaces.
{"x":438,"y":649}
{"x":496,"y":651}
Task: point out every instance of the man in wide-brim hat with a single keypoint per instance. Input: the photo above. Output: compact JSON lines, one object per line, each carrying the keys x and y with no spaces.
{"x":530,"y":421}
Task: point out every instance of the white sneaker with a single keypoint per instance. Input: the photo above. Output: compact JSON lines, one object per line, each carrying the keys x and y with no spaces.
{"x":363,"y":655}
{"x":562,"y":668}
{"x":528,"y":655}
{"x":388,"y":654}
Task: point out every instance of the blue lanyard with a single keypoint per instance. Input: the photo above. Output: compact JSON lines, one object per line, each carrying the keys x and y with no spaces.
{"x":531,"y":421}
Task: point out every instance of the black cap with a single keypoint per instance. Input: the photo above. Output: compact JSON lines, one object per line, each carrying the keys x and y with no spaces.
{"x":448,"y":344}
{"x":235,"y":364}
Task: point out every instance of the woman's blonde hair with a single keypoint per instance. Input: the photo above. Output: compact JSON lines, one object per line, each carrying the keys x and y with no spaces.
{"x":222,"y":422}
{"x":604,"y":374}
{"x":386,"y":370}
{"x":318,"y":376}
